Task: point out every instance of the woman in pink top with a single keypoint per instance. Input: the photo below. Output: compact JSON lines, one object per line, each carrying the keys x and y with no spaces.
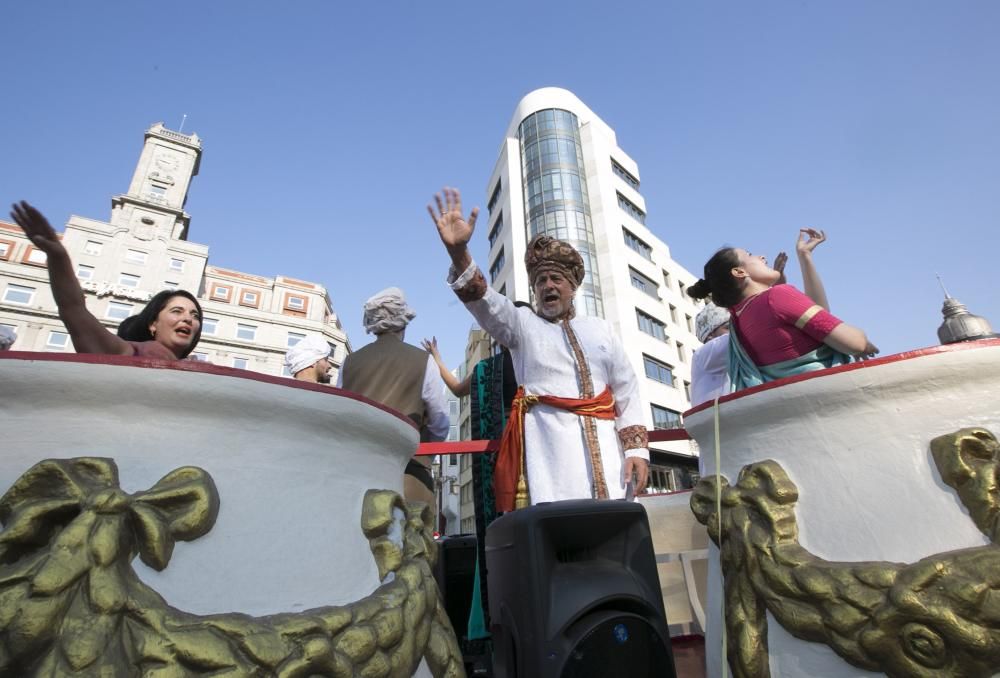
{"x":776,"y":330}
{"x":169,"y":327}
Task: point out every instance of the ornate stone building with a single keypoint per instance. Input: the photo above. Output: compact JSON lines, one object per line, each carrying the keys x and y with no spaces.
{"x":250,"y":320}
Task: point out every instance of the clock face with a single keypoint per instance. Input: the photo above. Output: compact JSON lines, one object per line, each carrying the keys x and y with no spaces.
{"x":167,"y":162}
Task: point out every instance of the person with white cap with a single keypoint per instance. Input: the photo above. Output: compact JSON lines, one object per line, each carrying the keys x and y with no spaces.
{"x":401,"y":376}
{"x":7,"y":338}
{"x":710,"y":363}
{"x":309,"y":360}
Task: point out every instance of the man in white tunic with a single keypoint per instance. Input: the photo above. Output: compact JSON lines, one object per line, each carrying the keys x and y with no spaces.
{"x":583,"y":430}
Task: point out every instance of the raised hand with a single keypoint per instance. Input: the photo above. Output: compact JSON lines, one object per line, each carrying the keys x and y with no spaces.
{"x":36,"y":227}
{"x":431,"y":346}
{"x":779,"y":266}
{"x":812,"y":238}
{"x":453,"y":228}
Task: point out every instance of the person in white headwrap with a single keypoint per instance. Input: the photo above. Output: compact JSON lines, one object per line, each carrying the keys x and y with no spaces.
{"x":309,"y":360}
{"x":710,"y":363}
{"x":401,"y":376}
{"x":7,"y":338}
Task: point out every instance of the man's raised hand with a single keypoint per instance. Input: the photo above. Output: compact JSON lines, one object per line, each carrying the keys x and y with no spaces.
{"x":36,"y":227}
{"x":454,"y":230}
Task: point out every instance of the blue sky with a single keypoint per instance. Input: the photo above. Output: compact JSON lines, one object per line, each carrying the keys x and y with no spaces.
{"x":327,"y":127}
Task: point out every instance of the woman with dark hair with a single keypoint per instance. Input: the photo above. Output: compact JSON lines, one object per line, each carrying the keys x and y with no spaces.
{"x":776,"y":330}
{"x":169,"y":327}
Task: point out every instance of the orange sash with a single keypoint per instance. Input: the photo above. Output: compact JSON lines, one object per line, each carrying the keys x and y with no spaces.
{"x":509,"y":484}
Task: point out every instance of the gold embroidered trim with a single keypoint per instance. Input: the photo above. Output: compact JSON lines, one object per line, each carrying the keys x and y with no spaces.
{"x":599,"y":490}
{"x":633,"y":437}
{"x":808,"y":315}
{"x":474,"y":290}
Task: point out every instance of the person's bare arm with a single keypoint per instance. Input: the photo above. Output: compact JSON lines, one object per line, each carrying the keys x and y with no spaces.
{"x":851,"y":340}
{"x":89,"y":335}
{"x":811,"y":283}
{"x":459,"y":388}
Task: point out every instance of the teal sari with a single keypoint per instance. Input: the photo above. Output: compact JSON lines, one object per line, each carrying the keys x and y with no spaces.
{"x":743,"y":373}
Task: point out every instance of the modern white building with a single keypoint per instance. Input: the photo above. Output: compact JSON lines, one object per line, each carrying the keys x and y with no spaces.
{"x":250,"y":320}
{"x":561,"y":172}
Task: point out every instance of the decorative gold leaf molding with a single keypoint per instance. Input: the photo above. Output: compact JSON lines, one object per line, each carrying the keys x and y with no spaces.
{"x":71,"y":604}
{"x":936,"y":618}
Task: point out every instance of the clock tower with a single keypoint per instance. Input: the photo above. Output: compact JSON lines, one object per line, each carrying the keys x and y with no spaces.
{"x":153,"y":208}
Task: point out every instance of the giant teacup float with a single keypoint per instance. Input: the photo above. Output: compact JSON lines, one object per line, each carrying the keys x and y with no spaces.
{"x":180,"y":519}
{"x":858,"y":511}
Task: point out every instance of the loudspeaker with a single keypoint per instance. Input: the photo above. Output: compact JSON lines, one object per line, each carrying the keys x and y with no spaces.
{"x":455,"y":573}
{"x":574,"y":593}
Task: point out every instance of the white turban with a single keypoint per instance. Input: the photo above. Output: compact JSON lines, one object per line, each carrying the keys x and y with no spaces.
{"x":387,"y":311}
{"x":305,"y":353}
{"x":7,"y":337}
{"x":708,"y":320}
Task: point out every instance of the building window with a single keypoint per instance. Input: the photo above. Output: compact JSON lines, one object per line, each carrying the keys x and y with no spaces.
{"x":118,"y":310}
{"x":57,"y":341}
{"x":666,"y":280}
{"x":689,"y":321}
{"x":494,"y":197}
{"x":452,"y":437}
{"x":651,"y":325}
{"x":295,"y":303}
{"x":18,"y":294}
{"x":221,"y":292}
{"x":200,"y":357}
{"x":665,"y":418}
{"x":241,"y":363}
{"x":157,"y":191}
{"x":637,"y":245}
{"x":176,"y":264}
{"x":249,"y":298}
{"x":657,"y":370}
{"x":630,"y":209}
{"x":495,"y":231}
{"x":93,"y":248}
{"x":673,"y":314}
{"x":624,"y":175}
{"x":246,"y":332}
{"x":293,"y":339}
{"x":681,"y":286}
{"x":209,"y":325}
{"x":84,"y":272}
{"x":6,"y":248}
{"x":681,"y":352}
{"x":35,"y":257}
{"x":497,"y":265}
{"x":170,"y":285}
{"x":644,"y":284}
{"x":128,"y":280}
{"x":135,"y":257}
{"x":687,"y":390}
{"x":10,"y":328}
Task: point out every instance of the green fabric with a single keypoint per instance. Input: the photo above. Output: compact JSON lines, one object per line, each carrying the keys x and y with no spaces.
{"x":743,"y":373}
{"x":477,"y":620}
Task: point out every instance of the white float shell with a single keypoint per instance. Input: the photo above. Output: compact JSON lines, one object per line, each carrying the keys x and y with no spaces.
{"x":855,"y":441}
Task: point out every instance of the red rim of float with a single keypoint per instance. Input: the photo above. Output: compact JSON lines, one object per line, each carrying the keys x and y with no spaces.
{"x":196,"y":366}
{"x":861,"y":365}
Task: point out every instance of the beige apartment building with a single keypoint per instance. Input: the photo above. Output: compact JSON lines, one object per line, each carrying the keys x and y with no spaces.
{"x":250,"y":320}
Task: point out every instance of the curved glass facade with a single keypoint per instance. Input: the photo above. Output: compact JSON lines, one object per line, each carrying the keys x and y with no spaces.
{"x":555,"y":193}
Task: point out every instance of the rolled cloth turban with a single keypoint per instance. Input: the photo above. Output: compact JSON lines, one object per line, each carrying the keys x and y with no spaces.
{"x":305,"y":353}
{"x":545,"y":254}
{"x":708,"y":320}
{"x":7,"y":337}
{"x":387,"y":311}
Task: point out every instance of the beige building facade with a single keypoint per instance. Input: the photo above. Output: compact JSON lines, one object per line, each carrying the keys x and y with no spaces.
{"x":249,"y":322}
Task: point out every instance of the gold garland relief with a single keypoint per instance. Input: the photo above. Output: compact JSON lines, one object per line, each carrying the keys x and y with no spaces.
{"x":938,"y":617}
{"x":71,"y":604}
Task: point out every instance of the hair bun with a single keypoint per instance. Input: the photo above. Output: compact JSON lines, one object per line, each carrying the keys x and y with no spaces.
{"x":699,"y":290}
